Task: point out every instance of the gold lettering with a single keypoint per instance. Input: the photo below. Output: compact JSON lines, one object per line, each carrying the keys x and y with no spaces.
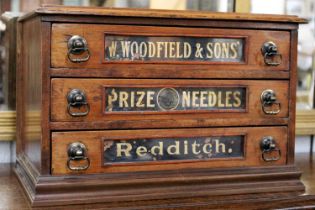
{"x":203,"y":98}
{"x":111,"y":98}
{"x":172,"y":50}
{"x":132,"y":99}
{"x":134,"y":49}
{"x":125,"y":46}
{"x":143,"y":49}
{"x":237,"y":98}
{"x":225,"y":50}
{"x":195,"y":98}
{"x":212,"y":99}
{"x":141,"y":95}
{"x":141,"y":150}
{"x":228,"y":98}
{"x":112,"y":49}
{"x":210,"y":50}
{"x":174,"y":147}
{"x":194,"y":148}
{"x":126,"y":150}
{"x":217,"y":50}
{"x":220,"y":104}
{"x":186,"y":99}
{"x":219,"y":145}
{"x":151,"y":49}
{"x":150,"y":98}
{"x":165,"y":49}
{"x":159,"y":48}
{"x":187,"y":50}
{"x":178,"y":54}
{"x":185,"y":147}
{"x":234,"y":45}
{"x":123,"y":97}
{"x":157,"y":147}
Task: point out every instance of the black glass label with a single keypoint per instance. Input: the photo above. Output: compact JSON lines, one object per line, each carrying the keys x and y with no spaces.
{"x":172,"y":149}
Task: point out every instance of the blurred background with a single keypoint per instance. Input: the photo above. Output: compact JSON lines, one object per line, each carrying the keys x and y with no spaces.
{"x":306,"y":54}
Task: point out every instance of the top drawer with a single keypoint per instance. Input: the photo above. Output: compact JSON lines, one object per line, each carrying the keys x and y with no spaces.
{"x":162,"y":50}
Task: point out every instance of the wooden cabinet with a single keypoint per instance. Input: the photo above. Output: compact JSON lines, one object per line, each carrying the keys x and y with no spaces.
{"x":129,"y":107}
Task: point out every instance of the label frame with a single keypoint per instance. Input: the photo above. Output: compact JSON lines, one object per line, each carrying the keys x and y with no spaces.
{"x":118,"y":164}
{"x":245,"y":110}
{"x":243,"y":61}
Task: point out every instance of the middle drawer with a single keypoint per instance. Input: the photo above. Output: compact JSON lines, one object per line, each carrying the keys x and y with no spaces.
{"x":147,"y":103}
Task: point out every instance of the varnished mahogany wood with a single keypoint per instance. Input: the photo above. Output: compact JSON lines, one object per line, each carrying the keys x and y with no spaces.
{"x":175,"y":14}
{"x":292,"y":99}
{"x":93,"y":141}
{"x":282,"y":26}
{"x":29,"y":95}
{"x":158,"y":123}
{"x":155,"y":71}
{"x":94,"y":89}
{"x":45,"y":112}
{"x":111,"y":188}
{"x":12,"y":196}
{"x":19,"y":93}
{"x":42,"y":38}
{"x":94,"y":35}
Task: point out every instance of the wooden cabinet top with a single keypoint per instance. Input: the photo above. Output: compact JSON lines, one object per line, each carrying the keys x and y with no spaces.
{"x":174,"y":14}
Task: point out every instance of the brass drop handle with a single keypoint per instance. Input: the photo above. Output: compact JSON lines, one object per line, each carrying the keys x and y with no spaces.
{"x":77,"y":152}
{"x":269,"y":103}
{"x":76,"y":99}
{"x":270,"y":151}
{"x":78,"y":50}
{"x":270,"y":53}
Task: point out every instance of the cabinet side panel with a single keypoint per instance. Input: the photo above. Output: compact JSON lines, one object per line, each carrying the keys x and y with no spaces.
{"x":9,"y":71}
{"x":30,"y":87}
{"x":19,"y":92}
{"x":292,"y":100}
{"x":45,"y":100}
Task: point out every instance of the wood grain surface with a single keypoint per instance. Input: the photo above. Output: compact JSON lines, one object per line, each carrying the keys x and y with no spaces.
{"x":292,"y":92}
{"x":97,"y":11}
{"x":13,"y":197}
{"x":29,"y":94}
{"x":94,"y":90}
{"x":93,"y":142}
{"x":45,"y":76}
{"x":94,"y":35}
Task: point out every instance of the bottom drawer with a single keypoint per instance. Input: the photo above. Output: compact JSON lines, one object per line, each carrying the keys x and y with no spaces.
{"x":88,"y":152}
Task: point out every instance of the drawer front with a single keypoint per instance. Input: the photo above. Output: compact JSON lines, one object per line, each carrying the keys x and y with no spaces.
{"x":118,"y":49}
{"x":152,"y":150}
{"x":112,"y":103}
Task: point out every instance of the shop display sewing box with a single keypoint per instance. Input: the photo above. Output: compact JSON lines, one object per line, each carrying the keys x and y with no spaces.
{"x":152,"y":107}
